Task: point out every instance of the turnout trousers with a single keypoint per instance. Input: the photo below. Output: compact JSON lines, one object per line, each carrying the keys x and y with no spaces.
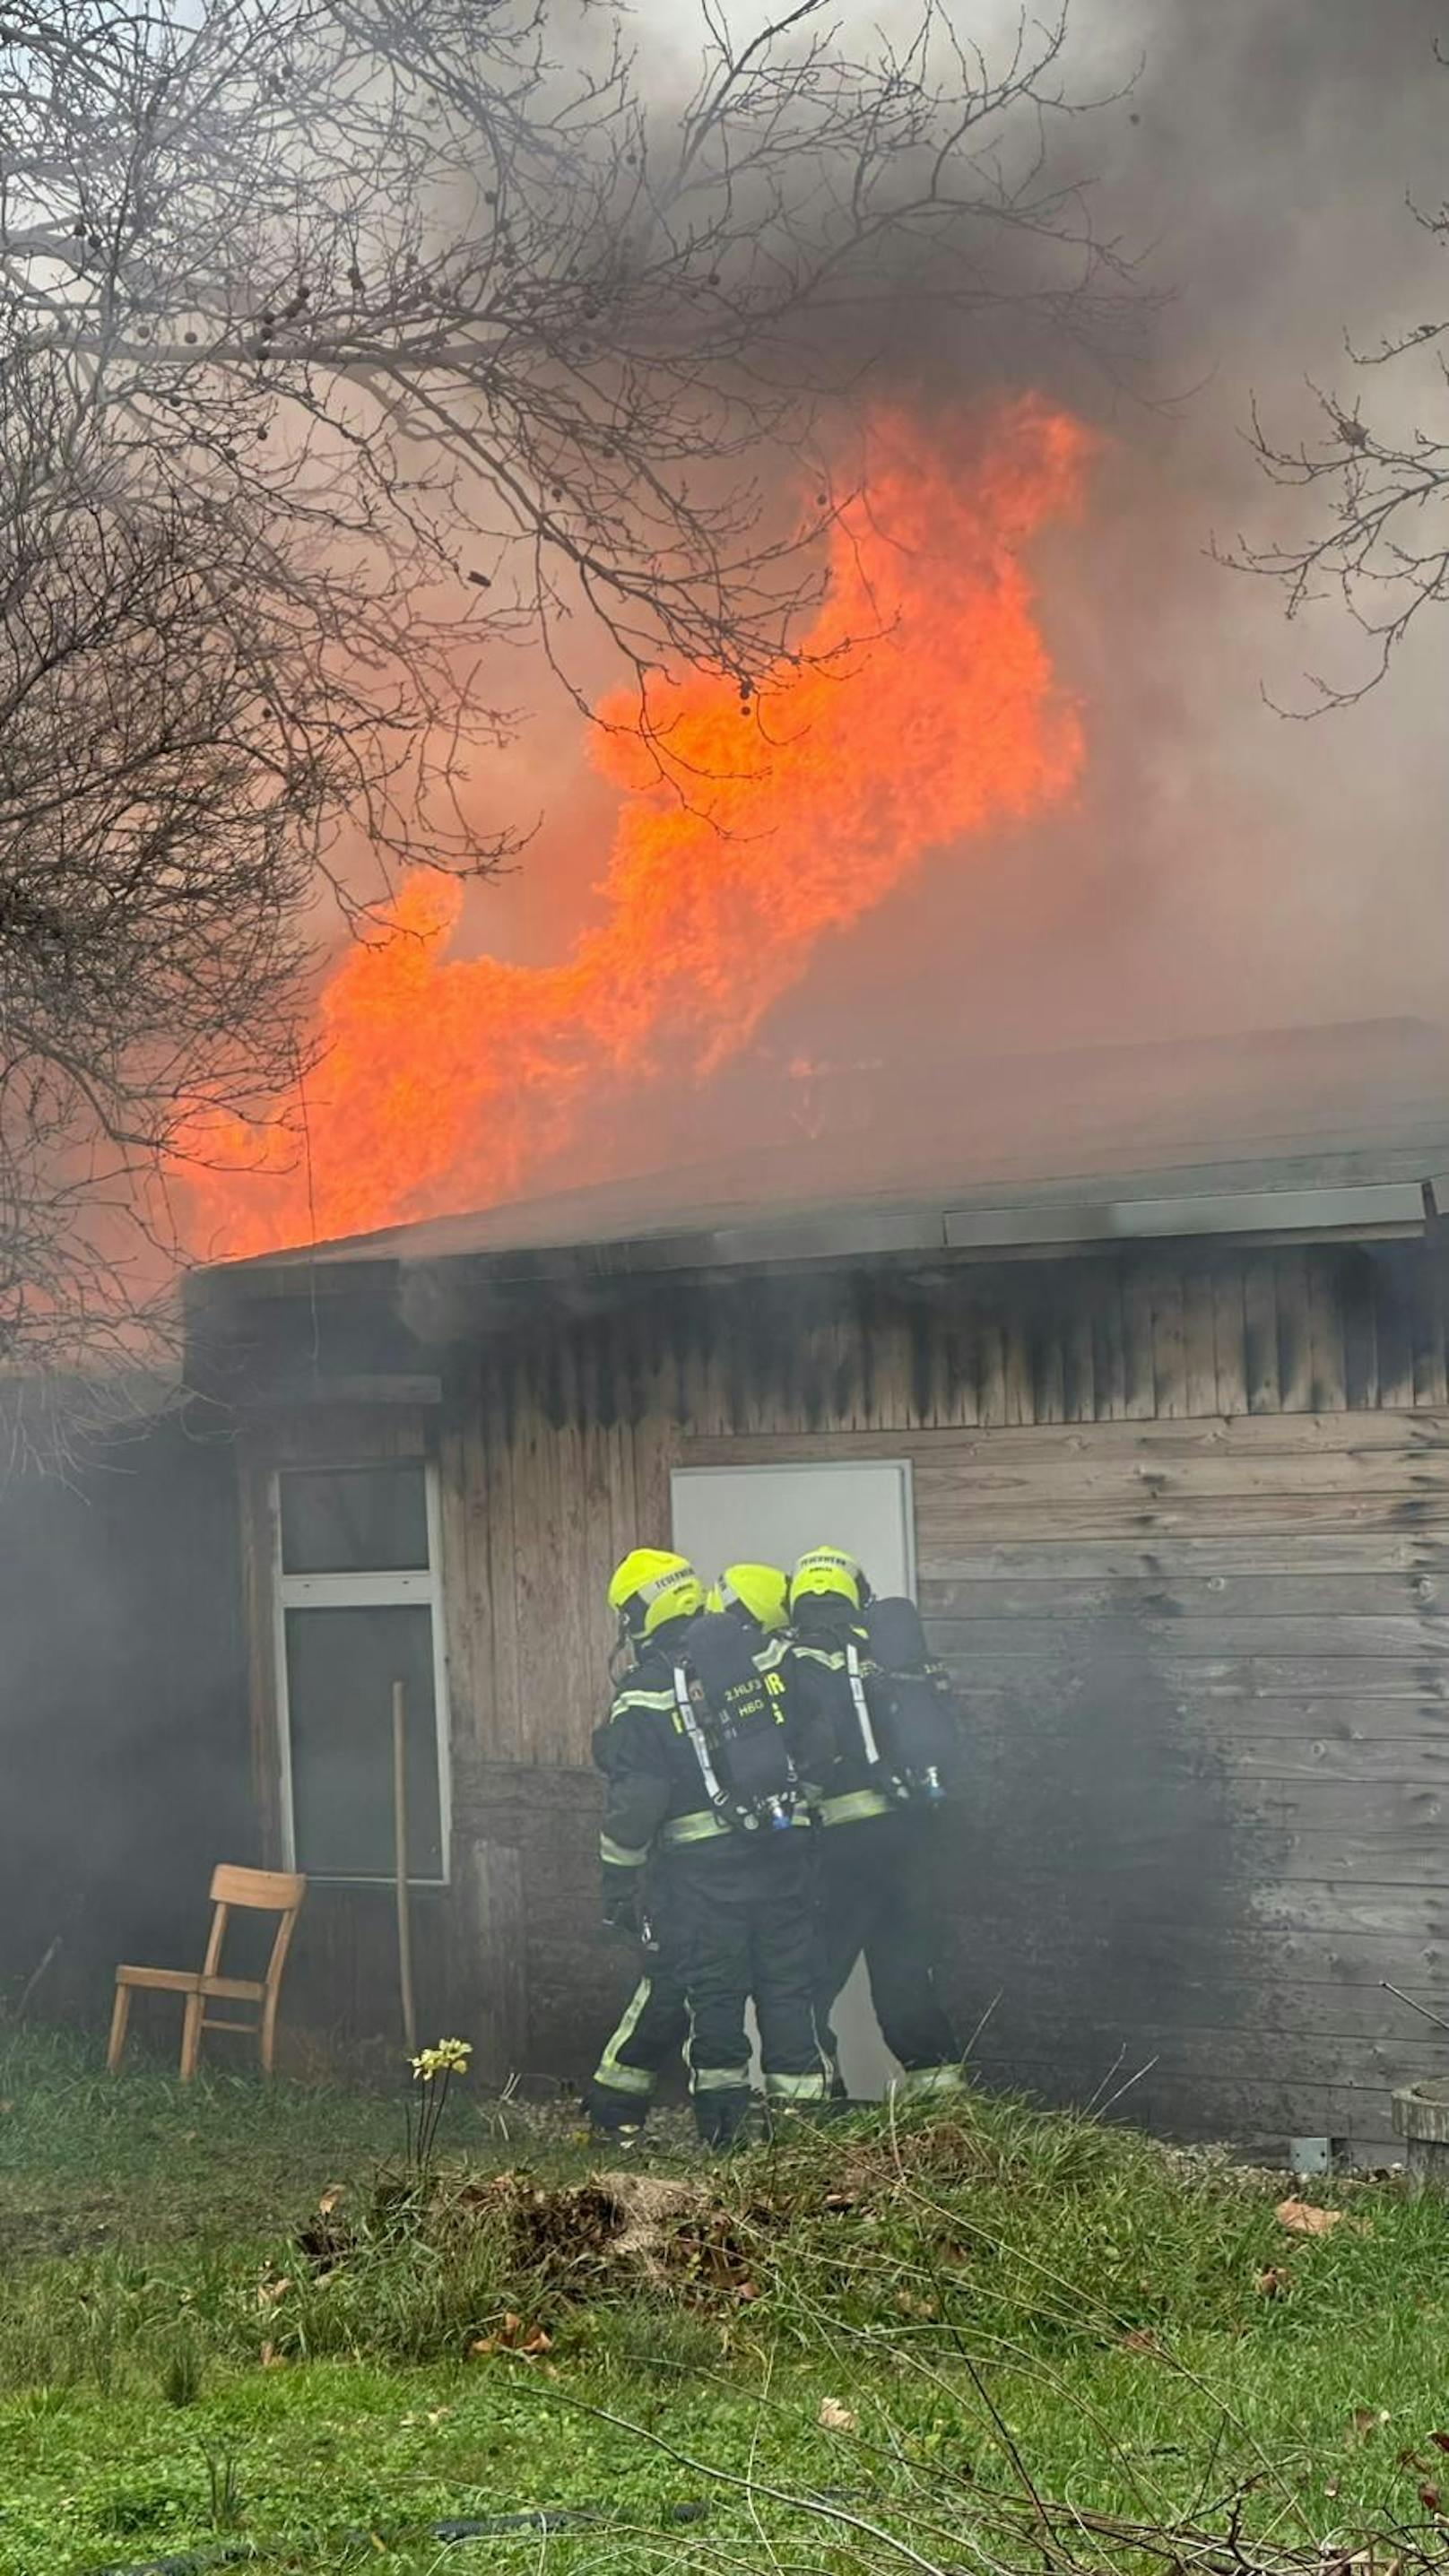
{"x":873,"y":1895}
{"x":650,"y":2035}
{"x":736,"y":1920}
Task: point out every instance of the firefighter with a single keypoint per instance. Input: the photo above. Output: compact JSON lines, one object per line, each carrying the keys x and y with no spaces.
{"x":654,"y":2026}
{"x":758,"y":1596}
{"x":873,"y":1890}
{"x":699,"y":1792}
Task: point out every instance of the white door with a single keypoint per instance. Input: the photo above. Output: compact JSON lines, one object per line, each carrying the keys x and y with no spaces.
{"x":769,"y":1516}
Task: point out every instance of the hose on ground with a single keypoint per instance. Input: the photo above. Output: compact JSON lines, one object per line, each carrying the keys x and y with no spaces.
{"x":487,"y":2526}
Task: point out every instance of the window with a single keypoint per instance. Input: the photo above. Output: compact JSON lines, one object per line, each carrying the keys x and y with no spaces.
{"x":358,"y":1602}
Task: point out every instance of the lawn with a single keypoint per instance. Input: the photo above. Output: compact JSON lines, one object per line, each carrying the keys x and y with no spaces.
{"x":234,"y":2324}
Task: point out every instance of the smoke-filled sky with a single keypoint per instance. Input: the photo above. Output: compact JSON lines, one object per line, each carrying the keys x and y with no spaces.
{"x":1215,"y":866}
{"x":1221,"y":867}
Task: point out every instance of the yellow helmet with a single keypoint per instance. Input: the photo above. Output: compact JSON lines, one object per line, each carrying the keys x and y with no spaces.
{"x":828,"y":1571}
{"x":761,"y":1591}
{"x":651,"y":1587}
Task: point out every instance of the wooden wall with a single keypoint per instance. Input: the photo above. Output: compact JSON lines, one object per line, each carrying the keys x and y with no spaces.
{"x":1182,"y":1530}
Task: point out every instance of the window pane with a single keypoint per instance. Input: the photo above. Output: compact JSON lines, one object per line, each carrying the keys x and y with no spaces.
{"x":355,"y":1520}
{"x":341,"y":1666}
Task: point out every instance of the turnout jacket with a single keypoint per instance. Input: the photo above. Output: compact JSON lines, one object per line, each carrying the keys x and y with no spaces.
{"x":655,"y":1794}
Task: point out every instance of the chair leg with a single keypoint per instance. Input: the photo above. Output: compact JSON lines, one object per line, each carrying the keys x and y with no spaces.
{"x":120,"y":2017}
{"x":268,"y":2034}
{"x":191,"y":2037}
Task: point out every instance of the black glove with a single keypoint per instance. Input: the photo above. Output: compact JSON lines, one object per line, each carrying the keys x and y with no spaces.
{"x":622,"y":1905}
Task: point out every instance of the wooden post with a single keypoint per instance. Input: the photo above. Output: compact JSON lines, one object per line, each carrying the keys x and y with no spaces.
{"x":400,"y":1867}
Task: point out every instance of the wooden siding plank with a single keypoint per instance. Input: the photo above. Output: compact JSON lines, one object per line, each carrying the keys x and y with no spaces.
{"x":1017,"y":1361}
{"x":991,"y":1368}
{"x":954,"y":1520}
{"x":1095,"y":1562}
{"x":1169,"y":1349}
{"x":1079,"y":1387}
{"x":1408,"y":1475}
{"x":1047,"y":1362}
{"x":1251,"y":1436}
{"x":1260,"y":1313}
{"x":1295,"y":1348}
{"x":1244,"y":1677}
{"x":1360,"y":1335}
{"x":1109,"y":1353}
{"x":1327,"y":1382}
{"x":1393,"y":1331}
{"x":1153,"y":1595}
{"x":1200,"y":1359}
{"x":1221,"y":1635}
{"x":1230,"y":1358}
{"x":1428,"y":1336}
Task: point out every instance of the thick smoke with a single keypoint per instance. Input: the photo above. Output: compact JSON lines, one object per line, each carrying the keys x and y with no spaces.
{"x":1226,"y":867}
{"x":1222,"y":867}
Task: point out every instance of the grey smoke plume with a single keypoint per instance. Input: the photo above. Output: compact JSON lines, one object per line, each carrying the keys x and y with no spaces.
{"x":1225,"y":867}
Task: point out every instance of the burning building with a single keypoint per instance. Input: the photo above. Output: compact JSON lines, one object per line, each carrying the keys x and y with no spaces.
{"x":1156,"y":1423}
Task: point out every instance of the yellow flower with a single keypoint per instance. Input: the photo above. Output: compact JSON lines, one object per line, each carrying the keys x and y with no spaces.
{"x":446,"y":2057}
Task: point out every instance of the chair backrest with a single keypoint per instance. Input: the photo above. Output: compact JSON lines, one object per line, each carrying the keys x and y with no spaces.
{"x":263,"y":1891}
{"x":270,"y":1891}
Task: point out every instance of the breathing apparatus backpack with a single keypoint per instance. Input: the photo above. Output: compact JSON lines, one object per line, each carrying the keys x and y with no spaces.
{"x":911,"y":1703}
{"x":733,"y":1721}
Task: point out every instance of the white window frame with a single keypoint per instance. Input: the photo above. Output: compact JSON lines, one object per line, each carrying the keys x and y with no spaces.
{"x":366,"y":1591}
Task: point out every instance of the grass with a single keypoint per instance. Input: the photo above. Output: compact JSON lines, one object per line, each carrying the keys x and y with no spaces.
{"x":950,"y":2324}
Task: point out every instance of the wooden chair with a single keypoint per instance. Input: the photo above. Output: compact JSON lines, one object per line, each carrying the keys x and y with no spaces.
{"x":265,"y":1891}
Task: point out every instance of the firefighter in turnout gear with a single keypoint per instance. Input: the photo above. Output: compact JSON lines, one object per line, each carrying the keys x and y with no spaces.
{"x":876,"y":1759}
{"x":654,"y":2026}
{"x":701,"y":1792}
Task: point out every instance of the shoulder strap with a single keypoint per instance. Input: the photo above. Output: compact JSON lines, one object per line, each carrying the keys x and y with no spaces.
{"x":860,"y":1703}
{"x":695,"y":1734}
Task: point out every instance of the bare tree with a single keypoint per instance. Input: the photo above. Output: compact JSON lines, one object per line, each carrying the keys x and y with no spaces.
{"x":1376,"y":515}
{"x":167,"y":764}
{"x":346,"y":344}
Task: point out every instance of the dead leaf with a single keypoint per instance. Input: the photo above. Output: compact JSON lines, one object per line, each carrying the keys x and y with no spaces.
{"x":1429,"y":2498}
{"x":1275,"y":2283}
{"x":1440,"y":2441}
{"x":334,"y":2192}
{"x":1366,"y":2420}
{"x":748,"y":2291}
{"x":835,"y":2418}
{"x":513,"y":2336}
{"x":269,"y":2292}
{"x":1332,"y":2486}
{"x":271,"y":2358}
{"x":1140,"y":2340}
{"x":1303,"y":2218}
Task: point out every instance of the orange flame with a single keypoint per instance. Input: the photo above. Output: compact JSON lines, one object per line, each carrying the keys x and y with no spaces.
{"x":445,"y":1079}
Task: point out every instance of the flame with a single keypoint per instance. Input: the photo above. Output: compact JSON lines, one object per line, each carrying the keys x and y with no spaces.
{"x":444,"y":1079}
